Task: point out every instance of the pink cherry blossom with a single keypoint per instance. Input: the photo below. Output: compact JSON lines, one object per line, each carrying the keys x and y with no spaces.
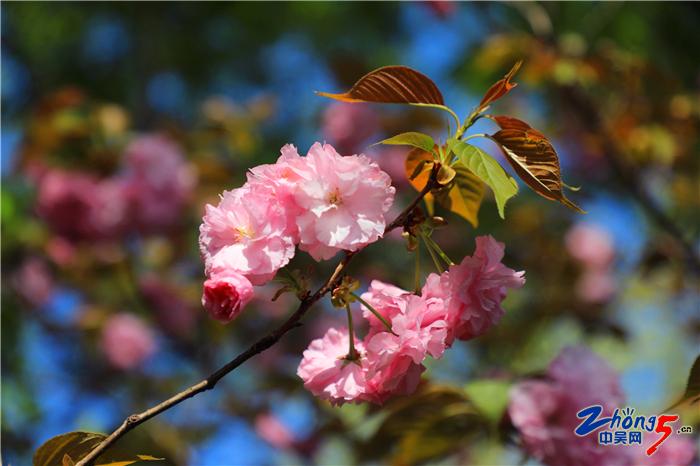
{"x":344,"y":200}
{"x":348,"y":125}
{"x":34,"y":281}
{"x":61,"y":251}
{"x":270,"y":429}
{"x":127,"y":341}
{"x":596,"y":286}
{"x":544,"y":411}
{"x":282,"y":178}
{"x":590,"y":245}
{"x":477,"y":286}
{"x":586,"y":378}
{"x":327,"y":374}
{"x":79,"y":206}
{"x":247,"y":233}
{"x":394,"y":359}
{"x":385,"y":299}
{"x":390,"y":368}
{"x":158,"y":180}
{"x":226,"y":295}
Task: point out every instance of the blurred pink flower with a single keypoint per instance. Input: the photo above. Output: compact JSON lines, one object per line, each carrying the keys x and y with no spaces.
{"x":246,"y":233}
{"x":33,"y":281}
{"x":344,"y":200}
{"x":174,"y":313}
{"x":159,"y":182}
{"x":127,"y":341}
{"x":347,"y":126}
{"x":225,"y":295}
{"x":270,"y":429}
{"x":596,"y":286}
{"x":327,"y":374}
{"x":590,"y":245}
{"x":586,"y":378}
{"x":442,"y":8}
{"x":477,"y":286}
{"x":392,"y":160}
{"x":676,"y":450}
{"x":80,"y":207}
{"x":544,"y":411}
{"x":61,"y":251}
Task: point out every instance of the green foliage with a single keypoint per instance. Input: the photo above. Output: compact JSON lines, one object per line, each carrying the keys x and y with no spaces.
{"x":489,"y":170}
{"x":75,"y":445}
{"x":692,"y":387}
{"x":411,"y":138}
{"x":464,"y":195}
{"x":69,"y":448}
{"x":430,"y":424}
{"x":490,"y":397}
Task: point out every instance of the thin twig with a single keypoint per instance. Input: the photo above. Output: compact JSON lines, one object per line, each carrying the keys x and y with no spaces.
{"x":259,"y":346}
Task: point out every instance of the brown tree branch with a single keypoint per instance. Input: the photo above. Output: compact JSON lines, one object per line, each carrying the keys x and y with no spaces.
{"x":258,"y":347}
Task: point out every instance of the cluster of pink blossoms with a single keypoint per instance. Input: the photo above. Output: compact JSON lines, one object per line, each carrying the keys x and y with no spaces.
{"x":323,"y":202}
{"x":462,"y":303}
{"x":149,"y":193}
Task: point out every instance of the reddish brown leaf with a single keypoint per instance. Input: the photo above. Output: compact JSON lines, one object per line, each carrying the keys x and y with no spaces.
{"x":533,"y":158}
{"x":392,"y":84}
{"x":502,"y":86}
{"x":506,"y":122}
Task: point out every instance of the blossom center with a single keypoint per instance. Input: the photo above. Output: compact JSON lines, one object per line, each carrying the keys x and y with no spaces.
{"x":334,"y":197}
{"x":242,"y":232}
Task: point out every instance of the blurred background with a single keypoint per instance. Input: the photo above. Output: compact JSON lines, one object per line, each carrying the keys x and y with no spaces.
{"x":121,"y":120}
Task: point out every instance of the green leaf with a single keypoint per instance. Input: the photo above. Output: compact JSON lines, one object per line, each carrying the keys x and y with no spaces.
{"x":446,"y":431}
{"x":490,"y":171}
{"x":450,"y":145}
{"x":404,"y":414}
{"x":135,"y":460}
{"x":490,"y":397}
{"x":412,"y":138}
{"x":73,"y":444}
{"x":692,"y":388}
{"x":464,"y":195}
{"x":67,"y":449}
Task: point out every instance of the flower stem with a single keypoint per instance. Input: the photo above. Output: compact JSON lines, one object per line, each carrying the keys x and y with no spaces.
{"x":374,"y":311}
{"x":432,"y":255}
{"x":476,"y":135}
{"x":439,"y":251}
{"x":416,"y":284}
{"x":352,"y":353}
{"x":441,"y":107}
